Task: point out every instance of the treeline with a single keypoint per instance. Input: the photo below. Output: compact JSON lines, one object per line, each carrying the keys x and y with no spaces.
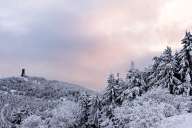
{"x":169,"y":71}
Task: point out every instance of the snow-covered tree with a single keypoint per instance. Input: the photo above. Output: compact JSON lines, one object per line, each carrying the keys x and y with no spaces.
{"x":185,"y":56}
{"x":153,"y":72}
{"x":176,"y":61}
{"x":165,"y":57}
{"x":112,"y":91}
{"x":85,"y":106}
{"x":166,"y":77}
{"x":134,"y":85}
{"x":95,"y":112}
{"x":135,"y":80}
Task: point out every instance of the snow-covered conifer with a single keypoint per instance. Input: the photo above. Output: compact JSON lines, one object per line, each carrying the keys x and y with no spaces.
{"x":111,"y":92}
{"x":95,"y":112}
{"x":134,"y":84}
{"x":153,"y":72}
{"x":185,"y":56}
{"x":166,"y":76}
{"x":85,"y":105}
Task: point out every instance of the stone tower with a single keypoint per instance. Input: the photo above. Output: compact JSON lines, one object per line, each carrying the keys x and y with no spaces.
{"x":23,"y":73}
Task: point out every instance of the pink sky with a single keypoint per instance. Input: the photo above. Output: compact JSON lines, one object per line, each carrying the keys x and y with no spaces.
{"x":83,"y":41}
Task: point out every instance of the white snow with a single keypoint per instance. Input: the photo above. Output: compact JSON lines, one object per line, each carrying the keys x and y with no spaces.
{"x":180,"y":121}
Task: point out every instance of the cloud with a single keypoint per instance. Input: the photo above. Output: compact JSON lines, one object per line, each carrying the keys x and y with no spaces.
{"x":83,"y":41}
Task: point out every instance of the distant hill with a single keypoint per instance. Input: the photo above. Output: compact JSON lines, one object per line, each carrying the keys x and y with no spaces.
{"x":41,"y":88}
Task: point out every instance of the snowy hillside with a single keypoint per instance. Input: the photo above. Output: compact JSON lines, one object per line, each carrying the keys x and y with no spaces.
{"x":155,"y":107}
{"x":155,"y":97}
{"x":33,"y":102}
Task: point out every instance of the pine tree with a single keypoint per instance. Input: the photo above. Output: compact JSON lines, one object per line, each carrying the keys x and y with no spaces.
{"x":134,"y":84}
{"x":166,"y":76}
{"x":135,"y":79}
{"x":153,"y":72}
{"x":120,"y":87}
{"x":95,"y":112}
{"x":111,"y":92}
{"x":176,"y":63}
{"x":185,"y":56}
{"x":110,"y":99}
{"x":164,"y":67}
{"x":85,"y":105}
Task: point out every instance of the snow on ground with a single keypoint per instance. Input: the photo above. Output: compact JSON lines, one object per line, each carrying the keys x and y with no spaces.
{"x":62,"y":116}
{"x":151,"y":108}
{"x":180,"y":121}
